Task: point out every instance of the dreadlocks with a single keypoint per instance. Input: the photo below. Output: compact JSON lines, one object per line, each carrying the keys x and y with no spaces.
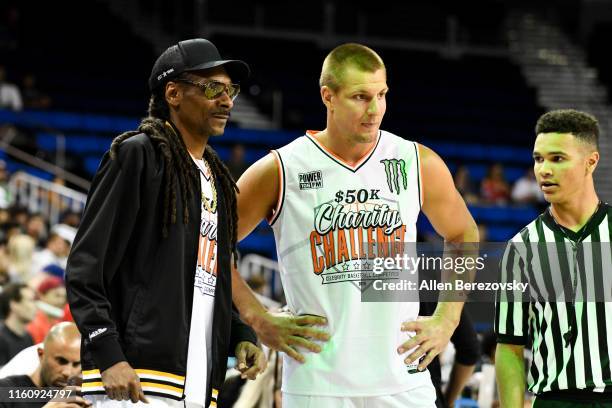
{"x":181,"y":174}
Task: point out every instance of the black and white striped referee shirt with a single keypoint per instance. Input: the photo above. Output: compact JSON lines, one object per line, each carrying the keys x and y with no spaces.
{"x":562,"y":318}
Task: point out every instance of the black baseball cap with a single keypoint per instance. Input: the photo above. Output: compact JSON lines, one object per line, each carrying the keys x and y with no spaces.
{"x":193,"y":55}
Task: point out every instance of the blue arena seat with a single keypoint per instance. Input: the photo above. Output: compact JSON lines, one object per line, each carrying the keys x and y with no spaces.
{"x":501,"y":234}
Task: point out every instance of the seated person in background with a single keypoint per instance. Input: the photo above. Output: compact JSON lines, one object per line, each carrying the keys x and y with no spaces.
{"x":33,"y":98}
{"x":24,"y":362}
{"x":526,"y":189}
{"x":20,"y":248}
{"x":494,"y":188}
{"x":71,"y":218}
{"x":52,"y":299}
{"x":51,"y":270}
{"x":4,"y":269}
{"x":236,"y":163}
{"x":60,"y":366}
{"x":36,"y":227}
{"x":10,"y":96}
{"x":465,"y":185}
{"x":5,"y":195}
{"x":18,"y":307}
{"x":56,"y":250}
{"x":19,"y":213}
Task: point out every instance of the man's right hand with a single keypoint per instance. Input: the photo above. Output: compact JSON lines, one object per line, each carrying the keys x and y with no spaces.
{"x":122,"y":383}
{"x":284,"y":332}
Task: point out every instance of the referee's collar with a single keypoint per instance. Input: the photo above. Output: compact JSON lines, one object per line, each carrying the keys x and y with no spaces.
{"x":586,"y":230}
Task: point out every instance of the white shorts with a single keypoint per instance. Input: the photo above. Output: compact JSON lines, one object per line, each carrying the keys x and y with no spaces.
{"x":421,"y":397}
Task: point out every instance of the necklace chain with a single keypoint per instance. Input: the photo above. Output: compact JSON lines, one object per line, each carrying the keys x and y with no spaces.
{"x":212,"y":207}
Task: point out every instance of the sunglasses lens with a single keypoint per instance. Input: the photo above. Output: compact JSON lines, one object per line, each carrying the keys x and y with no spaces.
{"x":214,"y":90}
{"x":233,"y":90}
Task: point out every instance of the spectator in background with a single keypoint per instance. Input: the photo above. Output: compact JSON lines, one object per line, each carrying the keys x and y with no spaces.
{"x":20,"y":215}
{"x":71,"y":218}
{"x":465,"y":185}
{"x":236,"y":163}
{"x":4,"y":268}
{"x":494,"y":188}
{"x":17,"y":307}
{"x":5,"y":197}
{"x":56,"y":249}
{"x":36,"y":227}
{"x":5,"y":216}
{"x":10,"y":96}
{"x":4,"y":225}
{"x":24,"y":362}
{"x":51,"y":303}
{"x":59,"y":366}
{"x":51,"y":270}
{"x":32,"y":97}
{"x":10,"y":229}
{"x":526,"y":189}
{"x":55,"y":199}
{"x":20,"y":249}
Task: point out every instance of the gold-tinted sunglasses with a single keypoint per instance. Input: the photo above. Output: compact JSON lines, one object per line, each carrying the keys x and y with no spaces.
{"x":214,"y":89}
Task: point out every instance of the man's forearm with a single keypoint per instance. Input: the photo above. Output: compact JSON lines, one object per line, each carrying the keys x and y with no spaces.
{"x":244,"y":298}
{"x":461,"y":247}
{"x":449,"y":311}
{"x":510,"y":372}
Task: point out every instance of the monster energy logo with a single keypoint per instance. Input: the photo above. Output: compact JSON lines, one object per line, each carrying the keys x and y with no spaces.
{"x":393,"y":169}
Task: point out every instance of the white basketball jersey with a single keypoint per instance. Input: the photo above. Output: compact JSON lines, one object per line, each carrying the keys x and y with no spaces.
{"x":331,"y":221}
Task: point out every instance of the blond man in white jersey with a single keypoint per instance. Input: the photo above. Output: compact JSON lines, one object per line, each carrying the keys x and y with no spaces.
{"x":312,"y":192}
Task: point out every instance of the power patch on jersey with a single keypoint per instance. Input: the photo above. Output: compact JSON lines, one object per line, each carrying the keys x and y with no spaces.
{"x":310,"y":180}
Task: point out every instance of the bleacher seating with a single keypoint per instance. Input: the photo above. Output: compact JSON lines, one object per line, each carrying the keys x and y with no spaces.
{"x":69,"y":121}
{"x":417,"y":20}
{"x":473,"y":111}
{"x":84,"y":64}
{"x":598,"y":55}
{"x":430,"y":97}
{"x":89,"y":136}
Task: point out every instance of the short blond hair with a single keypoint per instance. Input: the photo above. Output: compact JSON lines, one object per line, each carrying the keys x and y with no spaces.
{"x":345,"y":55}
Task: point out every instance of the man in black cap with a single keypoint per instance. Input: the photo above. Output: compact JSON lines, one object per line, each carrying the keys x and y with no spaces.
{"x":148,"y":277}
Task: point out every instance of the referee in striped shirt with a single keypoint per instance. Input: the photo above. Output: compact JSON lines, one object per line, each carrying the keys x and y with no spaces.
{"x":571,"y":340}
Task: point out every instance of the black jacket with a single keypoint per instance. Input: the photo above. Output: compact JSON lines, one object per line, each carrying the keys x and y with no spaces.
{"x":131,"y":291}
